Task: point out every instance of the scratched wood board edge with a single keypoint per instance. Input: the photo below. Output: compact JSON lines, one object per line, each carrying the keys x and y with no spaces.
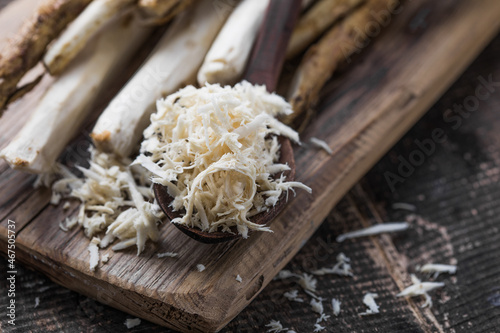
{"x":291,"y":252}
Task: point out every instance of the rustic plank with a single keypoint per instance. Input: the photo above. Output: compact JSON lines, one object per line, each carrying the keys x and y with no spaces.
{"x":378,"y":121}
{"x":474,"y":155}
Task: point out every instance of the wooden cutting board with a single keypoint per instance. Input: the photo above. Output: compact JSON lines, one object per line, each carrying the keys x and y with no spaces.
{"x":382,"y":94}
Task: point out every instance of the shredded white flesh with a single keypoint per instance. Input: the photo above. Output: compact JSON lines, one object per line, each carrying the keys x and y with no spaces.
{"x":78,"y":34}
{"x":200,"y":267}
{"x":318,"y":328}
{"x":307,"y":282}
{"x":238,"y":278}
{"x":216,"y":150}
{"x":115,"y":199}
{"x":404,"y":206}
{"x":94,"y":253}
{"x":322,"y":318}
{"x":68,"y":223}
{"x":313,"y":295}
{"x":68,"y":101}
{"x":374,"y":230}
{"x":336,"y":306}
{"x":438,"y":269}
{"x":285,"y":274}
{"x":419,"y":288}
{"x":342,"y":267}
{"x":131,"y":323}
{"x":275,"y":326}
{"x":321,"y":144}
{"x":317,"y":306}
{"x":369,"y":300}
{"x":167,"y":254}
{"x":292,"y":295}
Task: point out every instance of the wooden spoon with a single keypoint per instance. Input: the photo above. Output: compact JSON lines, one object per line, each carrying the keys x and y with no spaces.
{"x":264,"y":67}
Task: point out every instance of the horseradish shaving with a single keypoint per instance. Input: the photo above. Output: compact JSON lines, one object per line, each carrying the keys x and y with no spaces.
{"x":374,"y":230}
{"x":167,"y":254}
{"x":419,"y":288}
{"x":322,"y":318}
{"x":318,"y":328}
{"x":285,"y":274}
{"x":94,"y":253}
{"x":336,"y":306}
{"x":275,"y":326}
{"x":132,"y":322}
{"x":438,"y":269}
{"x":115,"y":199}
{"x":317,"y":306}
{"x":308,"y":283}
{"x":342,"y":267}
{"x":216,"y":150}
{"x":369,"y":300}
{"x":321,"y":144}
{"x":292,"y":295}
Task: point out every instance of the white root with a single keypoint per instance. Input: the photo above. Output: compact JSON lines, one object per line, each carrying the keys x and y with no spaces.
{"x":75,"y":38}
{"x":226,"y":60}
{"x":67,"y":102}
{"x":173,"y":64}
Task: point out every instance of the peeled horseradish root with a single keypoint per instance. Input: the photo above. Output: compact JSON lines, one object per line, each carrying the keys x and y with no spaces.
{"x":216,"y":150}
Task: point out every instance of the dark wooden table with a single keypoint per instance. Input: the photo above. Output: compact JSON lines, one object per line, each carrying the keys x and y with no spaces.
{"x":455,"y":189}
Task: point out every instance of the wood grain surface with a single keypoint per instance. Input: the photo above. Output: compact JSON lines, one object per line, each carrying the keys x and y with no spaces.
{"x":455,"y":221}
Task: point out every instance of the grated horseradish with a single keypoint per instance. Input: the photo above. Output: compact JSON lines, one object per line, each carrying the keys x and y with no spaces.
{"x":216,"y":150}
{"x":115,"y":199}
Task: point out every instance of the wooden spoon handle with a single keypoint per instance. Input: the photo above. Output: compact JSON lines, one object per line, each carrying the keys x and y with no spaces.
{"x":268,"y":55}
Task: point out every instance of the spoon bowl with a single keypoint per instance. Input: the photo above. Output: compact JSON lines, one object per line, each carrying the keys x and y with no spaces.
{"x":164,"y":200}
